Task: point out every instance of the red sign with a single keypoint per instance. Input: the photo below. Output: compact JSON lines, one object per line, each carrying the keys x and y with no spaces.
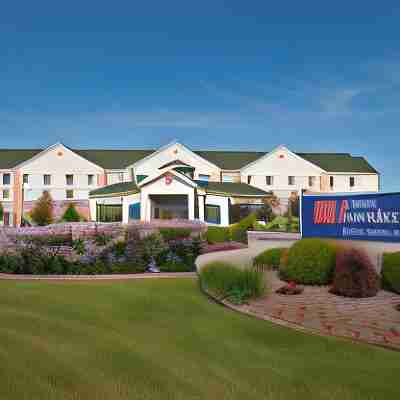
{"x":168,"y":179}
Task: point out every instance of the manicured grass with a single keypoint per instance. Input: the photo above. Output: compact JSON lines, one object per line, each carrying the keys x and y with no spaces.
{"x":162,"y":339}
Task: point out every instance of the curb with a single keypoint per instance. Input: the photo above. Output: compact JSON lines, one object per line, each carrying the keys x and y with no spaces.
{"x":114,"y":277}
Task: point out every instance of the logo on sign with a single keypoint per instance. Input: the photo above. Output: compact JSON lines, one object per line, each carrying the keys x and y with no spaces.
{"x":325,"y":212}
{"x":168,"y":179}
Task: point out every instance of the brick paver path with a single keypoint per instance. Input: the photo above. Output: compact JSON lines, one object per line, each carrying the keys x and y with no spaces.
{"x":373,"y":320}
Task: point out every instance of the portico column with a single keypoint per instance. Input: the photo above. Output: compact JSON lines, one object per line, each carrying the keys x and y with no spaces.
{"x":191,"y":205}
{"x":201,"y":207}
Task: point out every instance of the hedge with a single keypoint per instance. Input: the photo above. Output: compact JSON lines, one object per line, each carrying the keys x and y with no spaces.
{"x":218,"y":234}
{"x":310,"y":262}
{"x":239,"y":230}
{"x":174,"y":233}
{"x":391,"y":272}
{"x":269,"y":258}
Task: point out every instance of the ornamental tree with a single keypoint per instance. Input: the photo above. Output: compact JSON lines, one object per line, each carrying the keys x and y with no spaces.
{"x":42,"y":212}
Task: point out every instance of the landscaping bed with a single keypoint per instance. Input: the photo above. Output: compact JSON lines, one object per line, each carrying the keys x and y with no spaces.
{"x":167,"y":250}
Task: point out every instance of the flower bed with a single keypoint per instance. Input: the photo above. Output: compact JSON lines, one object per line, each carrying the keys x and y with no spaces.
{"x":172,"y":251}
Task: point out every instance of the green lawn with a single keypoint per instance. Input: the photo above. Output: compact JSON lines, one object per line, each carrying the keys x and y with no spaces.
{"x":162,"y":339}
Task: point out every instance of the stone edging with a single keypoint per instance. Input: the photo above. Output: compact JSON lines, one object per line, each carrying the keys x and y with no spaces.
{"x":291,"y":325}
{"x":105,"y":277}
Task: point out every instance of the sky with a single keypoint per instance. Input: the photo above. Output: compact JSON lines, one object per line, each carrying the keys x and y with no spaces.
{"x":238,"y":75}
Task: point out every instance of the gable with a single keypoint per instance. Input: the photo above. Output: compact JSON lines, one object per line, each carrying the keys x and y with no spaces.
{"x":282,"y":161}
{"x":169,"y":154}
{"x":59,"y":159}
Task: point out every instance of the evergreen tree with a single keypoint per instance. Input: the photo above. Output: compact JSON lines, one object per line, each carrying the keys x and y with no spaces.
{"x":71,"y":214}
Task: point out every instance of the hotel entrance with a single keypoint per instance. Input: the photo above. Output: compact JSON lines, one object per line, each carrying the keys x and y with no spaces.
{"x":169,"y":206}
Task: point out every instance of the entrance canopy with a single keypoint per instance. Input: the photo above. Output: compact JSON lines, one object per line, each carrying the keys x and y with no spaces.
{"x":170,"y":194}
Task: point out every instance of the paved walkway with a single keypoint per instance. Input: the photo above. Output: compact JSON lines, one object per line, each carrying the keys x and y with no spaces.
{"x":243,"y":257}
{"x":374,"y":320}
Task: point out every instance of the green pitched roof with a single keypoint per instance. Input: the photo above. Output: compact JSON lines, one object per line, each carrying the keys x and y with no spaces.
{"x":114,"y":159}
{"x":229,"y":160}
{"x":231,"y":189}
{"x":118,"y":189}
{"x":232,"y":160}
{"x":9,"y":158}
{"x":339,"y":162}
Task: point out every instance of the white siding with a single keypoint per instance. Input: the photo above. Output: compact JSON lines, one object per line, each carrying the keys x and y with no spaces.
{"x":174,"y":152}
{"x":281,"y":164}
{"x":58,"y":162}
{"x":223,"y":203}
{"x":363,"y":183}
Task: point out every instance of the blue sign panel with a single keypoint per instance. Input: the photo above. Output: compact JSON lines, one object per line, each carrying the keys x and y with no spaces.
{"x":352,"y":217}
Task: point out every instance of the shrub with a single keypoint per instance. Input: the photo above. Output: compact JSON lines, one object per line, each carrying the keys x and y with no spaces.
{"x":227,"y":281}
{"x":265,"y":212}
{"x":42,"y":212}
{"x":71,"y":214}
{"x":239,"y":230}
{"x":310,"y":262}
{"x":153,"y":247}
{"x":47,"y":240}
{"x":127,"y":267}
{"x":218,"y":234}
{"x":101,"y":239}
{"x":119,"y":248}
{"x":284,"y":258}
{"x":79,"y":246}
{"x":269,"y":258}
{"x":391,"y":272}
{"x":175,"y":267}
{"x":1,"y":212}
{"x":354,"y":275}
{"x":174,"y":233}
{"x":33,"y":259}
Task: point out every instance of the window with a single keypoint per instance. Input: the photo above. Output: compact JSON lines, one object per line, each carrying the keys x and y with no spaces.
{"x":46,"y":180}
{"x":6,"y":179}
{"x":69,"y":194}
{"x":331,"y":181}
{"x":352,"y":181}
{"x":249,"y":180}
{"x":227,"y":178}
{"x":6,"y":194}
{"x":204,"y":177}
{"x":69,"y":179}
{"x":269,"y":180}
{"x":90,"y":179}
{"x":25,"y":178}
{"x":213,"y":214}
{"x":291,"y":180}
{"x":311,"y":181}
